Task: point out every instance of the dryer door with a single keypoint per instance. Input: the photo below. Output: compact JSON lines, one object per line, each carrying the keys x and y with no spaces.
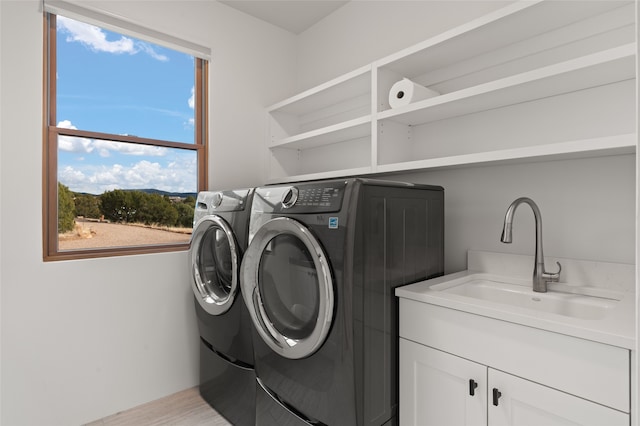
{"x":215,"y":265}
{"x":288,"y":288}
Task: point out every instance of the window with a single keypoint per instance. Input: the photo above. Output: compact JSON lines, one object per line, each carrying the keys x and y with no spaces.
{"x":124,"y":142}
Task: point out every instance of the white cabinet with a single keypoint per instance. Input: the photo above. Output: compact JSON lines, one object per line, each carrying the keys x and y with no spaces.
{"x":521,"y":402}
{"x":440,"y":389}
{"x":534,"y":80}
{"x":543,"y":377}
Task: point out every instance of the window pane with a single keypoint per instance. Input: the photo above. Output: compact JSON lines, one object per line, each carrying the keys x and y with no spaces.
{"x":122,"y":194}
{"x":110,"y":83}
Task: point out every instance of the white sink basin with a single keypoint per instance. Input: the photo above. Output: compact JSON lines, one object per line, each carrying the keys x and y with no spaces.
{"x":558,"y":300}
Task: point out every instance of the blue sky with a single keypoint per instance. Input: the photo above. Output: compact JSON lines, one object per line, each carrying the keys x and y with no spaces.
{"x":107,"y":82}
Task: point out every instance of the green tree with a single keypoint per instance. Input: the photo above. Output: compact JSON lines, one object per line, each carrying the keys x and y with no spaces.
{"x":190,"y":201}
{"x":155,"y":209}
{"x":166,"y":213}
{"x":118,"y":205}
{"x":138,"y":207}
{"x":185,"y":214}
{"x":66,"y":209}
{"x":87,"y":205}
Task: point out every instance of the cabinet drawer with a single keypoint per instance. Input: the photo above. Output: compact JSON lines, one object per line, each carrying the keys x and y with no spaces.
{"x":591,"y":370}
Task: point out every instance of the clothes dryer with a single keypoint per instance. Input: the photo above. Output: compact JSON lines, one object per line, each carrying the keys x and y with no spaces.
{"x":318,"y":279}
{"x":219,"y":239}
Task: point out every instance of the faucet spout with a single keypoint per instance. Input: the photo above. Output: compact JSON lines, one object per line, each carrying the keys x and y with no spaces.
{"x":540,"y":276}
{"x":507,"y":235}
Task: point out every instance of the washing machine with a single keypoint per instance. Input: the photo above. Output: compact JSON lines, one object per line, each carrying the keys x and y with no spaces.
{"x":219,"y":239}
{"x":318,"y":279}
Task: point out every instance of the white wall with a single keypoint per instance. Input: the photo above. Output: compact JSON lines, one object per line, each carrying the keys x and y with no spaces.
{"x":85,"y":339}
{"x":588,"y":206}
{"x":363,"y":31}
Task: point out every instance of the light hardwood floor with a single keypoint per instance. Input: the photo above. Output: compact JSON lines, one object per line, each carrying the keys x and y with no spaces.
{"x":185,"y":408}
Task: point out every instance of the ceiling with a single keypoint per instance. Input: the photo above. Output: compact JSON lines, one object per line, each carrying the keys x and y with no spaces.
{"x":292,"y":15}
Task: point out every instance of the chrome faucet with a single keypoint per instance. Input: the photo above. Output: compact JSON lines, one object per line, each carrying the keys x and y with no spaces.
{"x":540,"y":276}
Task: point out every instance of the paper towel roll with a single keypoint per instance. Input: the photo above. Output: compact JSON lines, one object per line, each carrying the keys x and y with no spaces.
{"x":405,"y":91}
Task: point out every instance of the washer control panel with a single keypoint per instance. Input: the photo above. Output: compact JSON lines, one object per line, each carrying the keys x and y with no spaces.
{"x":302,"y":198}
{"x":321,"y":197}
{"x":210,"y":202}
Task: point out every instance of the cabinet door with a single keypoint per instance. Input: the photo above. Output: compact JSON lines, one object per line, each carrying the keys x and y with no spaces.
{"x":439,"y":389}
{"x":524,"y":403}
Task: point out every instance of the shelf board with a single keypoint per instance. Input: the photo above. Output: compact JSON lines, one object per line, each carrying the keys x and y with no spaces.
{"x":358,"y":171}
{"x":593,"y":70}
{"x":348,"y":130}
{"x":585,"y":148}
{"x":521,"y":20}
{"x":348,"y":86}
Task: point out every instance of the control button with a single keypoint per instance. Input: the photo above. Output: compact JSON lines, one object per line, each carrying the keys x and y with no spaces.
{"x":290,"y":197}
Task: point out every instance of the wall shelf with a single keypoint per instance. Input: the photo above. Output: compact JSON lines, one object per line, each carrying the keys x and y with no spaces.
{"x":597,"y":147}
{"x":514,"y":23}
{"x":564,"y":61}
{"x":348,"y":130}
{"x":594,"y":70}
{"x":340,"y":89}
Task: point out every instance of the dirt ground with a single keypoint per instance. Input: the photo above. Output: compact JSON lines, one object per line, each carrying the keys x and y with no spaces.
{"x":102,"y":234}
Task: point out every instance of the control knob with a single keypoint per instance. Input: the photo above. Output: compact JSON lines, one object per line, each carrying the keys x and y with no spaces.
{"x":290,"y":197}
{"x":216,"y":200}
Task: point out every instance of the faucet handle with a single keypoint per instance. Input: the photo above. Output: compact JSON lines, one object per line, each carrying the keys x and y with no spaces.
{"x":552,"y":276}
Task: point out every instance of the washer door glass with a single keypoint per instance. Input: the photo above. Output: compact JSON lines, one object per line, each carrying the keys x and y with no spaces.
{"x":288,"y":284}
{"x":214,"y":259}
{"x":288,"y":288}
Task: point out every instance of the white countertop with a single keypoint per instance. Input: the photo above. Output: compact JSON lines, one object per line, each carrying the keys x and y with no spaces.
{"x":616,"y":328}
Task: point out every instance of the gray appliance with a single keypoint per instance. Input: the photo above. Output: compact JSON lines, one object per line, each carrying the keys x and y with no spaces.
{"x":219,"y":239}
{"x":318,"y":279}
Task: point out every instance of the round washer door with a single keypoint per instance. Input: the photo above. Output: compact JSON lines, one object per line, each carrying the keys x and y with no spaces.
{"x":287,"y":287}
{"x":214,"y":264}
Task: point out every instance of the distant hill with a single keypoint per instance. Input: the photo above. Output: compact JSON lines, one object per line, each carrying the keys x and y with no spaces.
{"x":163,"y":193}
{"x":152,"y":191}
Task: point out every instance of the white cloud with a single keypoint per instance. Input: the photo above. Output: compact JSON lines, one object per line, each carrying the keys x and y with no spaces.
{"x":192,"y":103}
{"x":71,"y":177}
{"x":102,"y":147}
{"x":66,"y":124}
{"x":161,"y":168}
{"x":176,"y":176}
{"x":72,"y":143}
{"x":105,"y":148}
{"x":192,"y":99}
{"x":95,"y":39}
{"x":149,"y":50}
